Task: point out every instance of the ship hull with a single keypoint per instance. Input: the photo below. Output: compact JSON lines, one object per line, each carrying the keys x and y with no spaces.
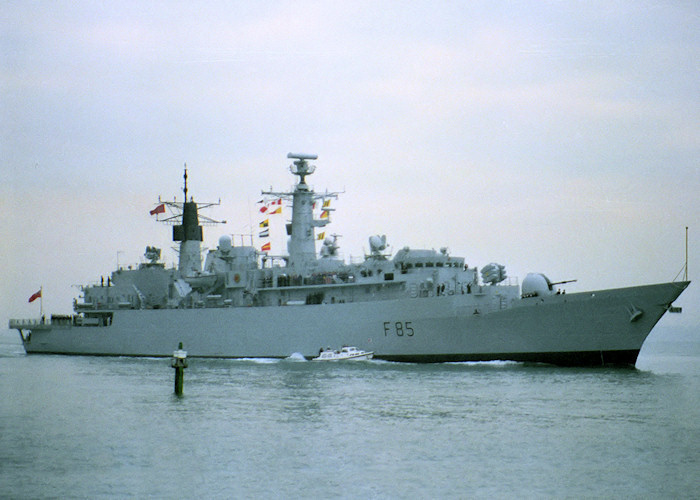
{"x":582,"y":329}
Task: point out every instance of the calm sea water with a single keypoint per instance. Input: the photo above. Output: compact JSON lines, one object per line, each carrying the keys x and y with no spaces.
{"x":82,"y":427}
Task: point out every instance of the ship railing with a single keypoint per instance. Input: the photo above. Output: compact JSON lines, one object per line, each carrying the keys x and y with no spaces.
{"x":341,"y":278}
{"x":27,"y":322}
{"x":512,"y":281}
{"x":55,"y":319}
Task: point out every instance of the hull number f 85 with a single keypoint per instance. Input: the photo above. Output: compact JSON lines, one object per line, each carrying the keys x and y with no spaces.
{"x":398,"y":328}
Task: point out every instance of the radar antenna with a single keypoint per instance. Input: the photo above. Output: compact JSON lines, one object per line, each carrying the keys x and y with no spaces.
{"x":184,"y":189}
{"x":300,"y":166}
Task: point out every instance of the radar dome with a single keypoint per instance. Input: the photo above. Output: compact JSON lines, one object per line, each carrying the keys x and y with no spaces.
{"x":377,"y":243}
{"x":225,"y":243}
{"x":536,"y":284}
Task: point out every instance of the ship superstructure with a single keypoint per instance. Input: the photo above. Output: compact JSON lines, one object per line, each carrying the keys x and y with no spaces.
{"x":419,"y":305}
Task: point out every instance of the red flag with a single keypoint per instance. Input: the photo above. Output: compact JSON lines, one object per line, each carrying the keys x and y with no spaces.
{"x":34,"y":296}
{"x":266,"y":247}
{"x":160,"y":209}
{"x":263,"y":209}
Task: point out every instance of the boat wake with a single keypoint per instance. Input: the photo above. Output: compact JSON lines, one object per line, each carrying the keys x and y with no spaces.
{"x":259,"y":361}
{"x":296,"y":356}
{"x":495,"y":363}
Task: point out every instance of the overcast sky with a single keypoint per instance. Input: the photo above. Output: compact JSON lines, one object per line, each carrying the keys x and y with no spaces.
{"x":557,"y":137}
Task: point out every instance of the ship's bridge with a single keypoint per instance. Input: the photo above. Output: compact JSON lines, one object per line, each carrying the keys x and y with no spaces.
{"x":407,"y":259}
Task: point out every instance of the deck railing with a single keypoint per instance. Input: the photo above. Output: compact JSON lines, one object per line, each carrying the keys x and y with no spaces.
{"x":25,"y":323}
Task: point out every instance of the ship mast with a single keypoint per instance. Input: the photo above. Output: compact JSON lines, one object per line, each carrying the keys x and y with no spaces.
{"x":188,"y":230}
{"x":685,"y":278}
{"x":190,"y":236}
{"x":184,"y":189}
{"x":301,"y":245}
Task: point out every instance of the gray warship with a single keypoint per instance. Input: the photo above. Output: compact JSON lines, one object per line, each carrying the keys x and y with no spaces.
{"x":415,"y":306}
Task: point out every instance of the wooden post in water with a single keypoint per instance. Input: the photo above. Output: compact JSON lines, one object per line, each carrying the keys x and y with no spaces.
{"x":179,"y":363}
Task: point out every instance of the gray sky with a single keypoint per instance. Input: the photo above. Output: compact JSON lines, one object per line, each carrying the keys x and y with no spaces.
{"x":557,"y":137}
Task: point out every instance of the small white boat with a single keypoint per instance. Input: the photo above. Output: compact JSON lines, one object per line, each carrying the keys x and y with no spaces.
{"x":345,"y":352}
